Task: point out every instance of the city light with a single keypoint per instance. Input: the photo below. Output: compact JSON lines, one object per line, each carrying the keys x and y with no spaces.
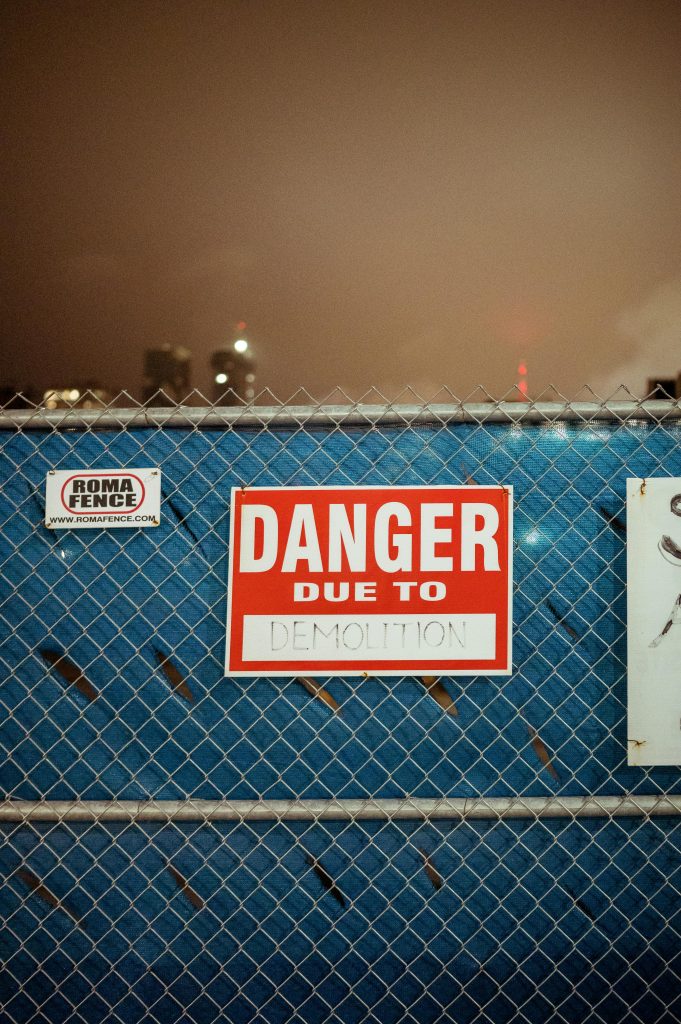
{"x":522,"y":382}
{"x":233,"y":369}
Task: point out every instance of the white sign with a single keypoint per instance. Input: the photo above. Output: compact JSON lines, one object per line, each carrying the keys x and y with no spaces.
{"x":91,"y":499}
{"x":654,"y":621}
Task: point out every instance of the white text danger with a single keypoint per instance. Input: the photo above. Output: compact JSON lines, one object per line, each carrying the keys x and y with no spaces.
{"x":432,"y":540}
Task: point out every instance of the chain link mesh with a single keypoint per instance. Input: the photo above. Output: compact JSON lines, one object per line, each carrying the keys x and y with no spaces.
{"x":521,"y":916}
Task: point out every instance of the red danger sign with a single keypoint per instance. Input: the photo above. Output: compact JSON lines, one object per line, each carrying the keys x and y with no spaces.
{"x":332,"y":581}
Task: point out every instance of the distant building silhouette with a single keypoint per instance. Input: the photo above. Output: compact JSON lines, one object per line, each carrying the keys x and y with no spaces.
{"x":167,"y":370}
{"x":663,"y":387}
{"x":234,"y":369}
{"x":14,"y":397}
{"x":85,"y":395}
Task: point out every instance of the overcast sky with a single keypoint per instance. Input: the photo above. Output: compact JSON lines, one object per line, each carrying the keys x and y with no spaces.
{"x":388,"y":193}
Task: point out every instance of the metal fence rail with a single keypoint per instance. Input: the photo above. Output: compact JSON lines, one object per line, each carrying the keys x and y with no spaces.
{"x":235,"y":849}
{"x":417,"y":808}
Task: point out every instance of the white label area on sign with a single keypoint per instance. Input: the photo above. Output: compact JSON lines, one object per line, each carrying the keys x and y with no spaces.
{"x":654,"y":621}
{"x":371,"y":637}
{"x":91,"y":499}
{"x":399,"y":580}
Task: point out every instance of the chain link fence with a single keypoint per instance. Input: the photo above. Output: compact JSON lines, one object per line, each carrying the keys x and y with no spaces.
{"x":180,"y":846}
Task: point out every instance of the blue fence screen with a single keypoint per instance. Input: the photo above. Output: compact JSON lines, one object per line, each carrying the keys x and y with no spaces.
{"x":112,"y":688}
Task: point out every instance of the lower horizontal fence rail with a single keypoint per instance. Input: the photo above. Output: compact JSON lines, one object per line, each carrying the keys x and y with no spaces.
{"x":414,"y":808}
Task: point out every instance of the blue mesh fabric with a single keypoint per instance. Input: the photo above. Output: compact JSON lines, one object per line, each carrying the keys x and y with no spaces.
{"x":575,"y":919}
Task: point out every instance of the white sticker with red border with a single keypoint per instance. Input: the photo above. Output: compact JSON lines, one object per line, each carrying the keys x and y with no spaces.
{"x":328,"y":581}
{"x":82,"y":499}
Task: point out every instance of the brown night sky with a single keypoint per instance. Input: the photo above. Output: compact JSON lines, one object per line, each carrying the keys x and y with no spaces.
{"x":389,"y":193}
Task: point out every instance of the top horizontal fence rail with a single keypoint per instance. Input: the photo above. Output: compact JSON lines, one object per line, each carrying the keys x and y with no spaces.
{"x":328,"y":415}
